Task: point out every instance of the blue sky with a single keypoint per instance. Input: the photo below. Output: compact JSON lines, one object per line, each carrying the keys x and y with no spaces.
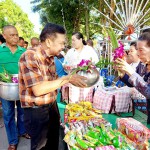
{"x":33,"y":17}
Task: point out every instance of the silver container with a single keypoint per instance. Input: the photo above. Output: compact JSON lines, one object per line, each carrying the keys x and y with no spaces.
{"x":92,"y":77}
{"x":9,"y":91}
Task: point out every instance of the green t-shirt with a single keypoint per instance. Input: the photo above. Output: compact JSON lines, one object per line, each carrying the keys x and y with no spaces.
{"x":9,"y":60}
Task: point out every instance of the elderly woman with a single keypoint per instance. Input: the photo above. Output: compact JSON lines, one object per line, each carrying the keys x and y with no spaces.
{"x":142,"y":84}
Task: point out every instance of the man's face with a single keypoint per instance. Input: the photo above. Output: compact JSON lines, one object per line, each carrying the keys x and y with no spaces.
{"x":57,"y":44}
{"x":76,"y":42}
{"x":25,"y":45}
{"x":34,"y":43}
{"x":21,"y":43}
{"x":143,"y":51}
{"x":132,"y":53}
{"x":11,"y":36}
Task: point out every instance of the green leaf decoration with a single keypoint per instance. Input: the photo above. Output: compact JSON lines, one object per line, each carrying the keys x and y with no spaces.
{"x":113,"y":37}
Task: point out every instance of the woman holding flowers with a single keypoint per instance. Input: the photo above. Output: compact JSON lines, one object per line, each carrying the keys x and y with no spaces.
{"x":142,"y":84}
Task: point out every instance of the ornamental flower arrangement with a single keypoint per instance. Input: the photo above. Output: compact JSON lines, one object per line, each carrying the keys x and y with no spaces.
{"x":118,"y":52}
{"x":87,"y":69}
{"x":118,"y":47}
{"x":85,"y":65}
{"x":8,"y":78}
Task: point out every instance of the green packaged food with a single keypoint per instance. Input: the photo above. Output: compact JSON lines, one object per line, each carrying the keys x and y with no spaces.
{"x":93,"y":134}
{"x":90,"y":144}
{"x":75,"y":148}
{"x":81,"y":143}
{"x":116,"y":142}
{"x":90,"y":139}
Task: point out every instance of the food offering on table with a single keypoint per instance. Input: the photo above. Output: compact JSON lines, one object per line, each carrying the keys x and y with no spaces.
{"x":87,"y":130}
{"x":135,"y":131}
{"x":87,"y":136}
{"x":81,"y":111}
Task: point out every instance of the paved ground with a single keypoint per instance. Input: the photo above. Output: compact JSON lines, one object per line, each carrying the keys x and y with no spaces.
{"x":24,"y":144}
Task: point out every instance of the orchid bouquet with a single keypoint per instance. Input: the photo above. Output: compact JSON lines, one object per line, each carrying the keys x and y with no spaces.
{"x":85,"y":65}
{"x":87,"y":69}
{"x":8,"y":78}
{"x":118,"y":47}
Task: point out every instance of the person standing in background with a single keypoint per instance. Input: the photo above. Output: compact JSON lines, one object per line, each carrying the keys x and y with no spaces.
{"x":12,"y":52}
{"x":25,"y":44}
{"x":21,"y":42}
{"x":2,"y":40}
{"x":34,"y":42}
{"x":73,"y":57}
{"x":89,"y":42}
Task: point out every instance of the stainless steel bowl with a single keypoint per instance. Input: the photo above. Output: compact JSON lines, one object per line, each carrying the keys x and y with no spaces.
{"x":92,"y":77}
{"x":9,"y":91}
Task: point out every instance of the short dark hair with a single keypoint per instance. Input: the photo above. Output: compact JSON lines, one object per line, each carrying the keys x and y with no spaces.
{"x":25,"y":42}
{"x":79,"y":36}
{"x":51,"y":29}
{"x":2,"y":38}
{"x":8,"y":27}
{"x":133,"y":44}
{"x":90,"y":42}
{"x":145,"y":37}
{"x":21,"y":38}
{"x":146,"y":30}
{"x":34,"y":38}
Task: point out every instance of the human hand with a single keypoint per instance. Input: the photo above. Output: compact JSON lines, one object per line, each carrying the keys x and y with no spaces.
{"x":77,"y":80}
{"x":68,"y":68}
{"x":123,"y":67}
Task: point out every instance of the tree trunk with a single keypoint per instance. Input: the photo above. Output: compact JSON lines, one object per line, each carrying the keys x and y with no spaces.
{"x":86,"y":19}
{"x":77,"y":19}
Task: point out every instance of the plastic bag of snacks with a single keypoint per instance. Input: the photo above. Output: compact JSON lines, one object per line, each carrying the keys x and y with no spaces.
{"x":135,"y":131}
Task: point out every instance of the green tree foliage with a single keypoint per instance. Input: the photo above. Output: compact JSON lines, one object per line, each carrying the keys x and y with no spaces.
{"x":11,"y":13}
{"x":73,"y":14}
{"x":78,"y":15}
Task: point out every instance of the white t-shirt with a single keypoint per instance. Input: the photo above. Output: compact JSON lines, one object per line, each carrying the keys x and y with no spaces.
{"x":73,"y":57}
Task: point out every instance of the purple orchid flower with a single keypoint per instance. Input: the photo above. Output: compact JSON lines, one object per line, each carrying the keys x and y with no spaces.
{"x":83,"y":63}
{"x":14,"y":79}
{"x":118,"y":52}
